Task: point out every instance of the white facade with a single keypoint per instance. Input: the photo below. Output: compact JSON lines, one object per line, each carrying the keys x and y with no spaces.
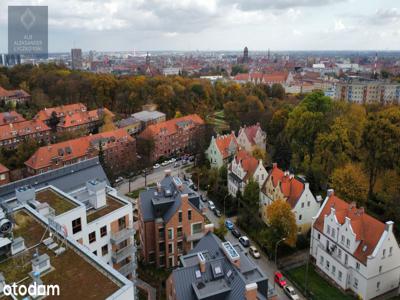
{"x":336,"y":250}
{"x":213,"y":152}
{"x":259,"y":140}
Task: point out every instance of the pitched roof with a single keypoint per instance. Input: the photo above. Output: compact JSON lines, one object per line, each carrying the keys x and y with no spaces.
{"x":171,"y":126}
{"x":79,"y":118}
{"x":73,"y":149}
{"x":13,"y":93}
{"x":368,"y":230}
{"x":290,"y":186}
{"x":275,"y":77}
{"x":62,"y":110}
{"x":9,"y":131}
{"x":248,"y":162}
{"x":10,"y":117}
{"x":3,"y":169}
{"x":250,"y":132}
{"x":223,"y":142}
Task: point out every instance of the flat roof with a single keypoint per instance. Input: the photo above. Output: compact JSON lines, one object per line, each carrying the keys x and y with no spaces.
{"x":77,"y":277}
{"x":112,"y":204}
{"x":146,"y":115}
{"x":57,"y":201}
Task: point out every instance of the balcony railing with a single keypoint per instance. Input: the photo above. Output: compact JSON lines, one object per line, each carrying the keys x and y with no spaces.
{"x":122,"y":235}
{"x":128,"y":268}
{"x":123,"y":253}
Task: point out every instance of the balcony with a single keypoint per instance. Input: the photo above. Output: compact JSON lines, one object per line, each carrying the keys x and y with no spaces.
{"x":194,"y":236}
{"x":127,"y":269}
{"x":120,"y":255}
{"x":122,"y":235}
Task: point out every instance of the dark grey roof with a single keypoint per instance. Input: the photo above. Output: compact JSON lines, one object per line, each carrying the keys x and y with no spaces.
{"x":229,"y":286}
{"x":67,"y":179}
{"x":164,"y":203}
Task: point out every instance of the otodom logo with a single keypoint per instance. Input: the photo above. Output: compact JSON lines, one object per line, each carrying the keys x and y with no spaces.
{"x":33,"y":290}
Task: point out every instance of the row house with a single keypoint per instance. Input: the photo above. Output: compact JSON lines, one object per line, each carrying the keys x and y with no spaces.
{"x":119,"y":150}
{"x":174,"y":136}
{"x":252,"y":137}
{"x":10,"y":117}
{"x":243,"y":168}
{"x":354,"y":250}
{"x":11,"y":135}
{"x":14,"y":96}
{"x":295,"y":191}
{"x":171,"y":221}
{"x":221,"y":149}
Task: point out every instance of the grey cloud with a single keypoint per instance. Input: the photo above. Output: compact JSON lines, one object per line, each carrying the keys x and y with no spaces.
{"x":248,"y":5}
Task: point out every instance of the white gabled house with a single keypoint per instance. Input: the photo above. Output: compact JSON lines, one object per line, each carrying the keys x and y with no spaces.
{"x":294,"y":190}
{"x":221,"y":149}
{"x":251,"y":137}
{"x":241,"y":169}
{"x":354,"y":250}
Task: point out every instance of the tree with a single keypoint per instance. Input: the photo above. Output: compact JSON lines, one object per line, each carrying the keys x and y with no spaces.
{"x":221,"y":231}
{"x":350,"y":183}
{"x":108,"y":124}
{"x":251,"y":196}
{"x":282,"y":223}
{"x":53,"y":121}
{"x":278,"y":91}
{"x":259,"y":153}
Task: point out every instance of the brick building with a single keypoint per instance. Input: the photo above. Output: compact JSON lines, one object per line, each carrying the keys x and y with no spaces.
{"x":118,"y":146}
{"x":14,"y":96}
{"x":174,"y":136}
{"x":4,"y":175}
{"x":170,"y":221}
{"x":11,"y":135}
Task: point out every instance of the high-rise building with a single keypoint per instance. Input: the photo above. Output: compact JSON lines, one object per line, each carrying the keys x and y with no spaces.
{"x":76,"y":59}
{"x":245,"y":55}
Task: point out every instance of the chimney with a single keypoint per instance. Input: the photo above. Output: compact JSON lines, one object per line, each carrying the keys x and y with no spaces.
{"x":158,"y":187}
{"x":167,"y":172}
{"x":389,"y":226}
{"x":331,"y":192}
{"x":274,"y":165}
{"x":208,"y":228}
{"x":291,"y":176}
{"x":319,"y":198}
{"x":202,"y":262}
{"x":97,"y":193}
{"x":286,"y":173}
{"x":251,"y":291}
{"x":185,"y":197}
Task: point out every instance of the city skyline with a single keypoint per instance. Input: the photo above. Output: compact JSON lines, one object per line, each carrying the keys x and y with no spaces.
{"x":225,"y":25}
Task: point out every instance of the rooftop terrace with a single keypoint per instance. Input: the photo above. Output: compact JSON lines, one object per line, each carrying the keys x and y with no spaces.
{"x":57,"y":201}
{"x":112,"y":204}
{"x":77,"y":276}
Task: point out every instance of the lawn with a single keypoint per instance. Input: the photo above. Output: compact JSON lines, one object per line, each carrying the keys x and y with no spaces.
{"x":318,"y":287}
{"x":135,"y":193}
{"x":58,"y":202}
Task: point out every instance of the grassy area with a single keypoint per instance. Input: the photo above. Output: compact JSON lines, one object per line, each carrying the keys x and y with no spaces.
{"x":56,"y":201}
{"x":112,"y":204}
{"x":135,"y":193}
{"x":318,"y":287}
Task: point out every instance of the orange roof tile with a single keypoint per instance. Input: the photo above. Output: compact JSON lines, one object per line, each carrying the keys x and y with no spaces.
{"x":248,"y":162}
{"x":171,"y":126}
{"x":22,"y":128}
{"x":223,"y":142}
{"x":3,"y":169}
{"x":250,"y":132}
{"x":368,"y":230}
{"x":62,"y":110}
{"x":10,"y":117}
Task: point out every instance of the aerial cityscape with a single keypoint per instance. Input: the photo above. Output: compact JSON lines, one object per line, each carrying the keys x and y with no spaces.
{"x":200,"y":150}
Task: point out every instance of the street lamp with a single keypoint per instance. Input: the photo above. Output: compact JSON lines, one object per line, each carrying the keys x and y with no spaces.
{"x":276,"y":253}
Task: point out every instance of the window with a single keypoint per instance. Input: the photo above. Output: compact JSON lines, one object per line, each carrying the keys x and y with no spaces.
{"x":328,"y":264}
{"x":333,"y":270}
{"x":342,"y":238}
{"x":357,"y":266}
{"x":380,"y":269}
{"x":346,"y":259}
{"x":300,"y":216}
{"x":319,"y":236}
{"x":328,"y":230}
{"x":180,"y":217}
{"x":340,"y":253}
{"x":103,"y":231}
{"x":302,"y":205}
{"x":384,"y":253}
{"x":170,"y":233}
{"x":196,"y":228}
{"x":333,"y":233}
{"x":179,"y":245}
{"x":92,"y":237}
{"x":179,"y":232}
{"x":355,"y":284}
{"x":161,"y":233}
{"x":189,"y":214}
{"x":162,"y":260}
{"x":76,"y":225}
{"x":321,"y":260}
{"x":95,"y":252}
{"x":104,"y":250}
{"x":378,"y":285}
{"x":161,"y":247}
{"x":170,"y":248}
{"x":348,"y":242}
{"x":340,"y":275}
{"x":121,"y":223}
{"x":390,"y":251}
{"x":308,"y":203}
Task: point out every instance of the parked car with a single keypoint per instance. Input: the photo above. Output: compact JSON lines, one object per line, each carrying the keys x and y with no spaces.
{"x":211,"y":205}
{"x":191,"y":158}
{"x":217,"y":212}
{"x":165,"y":163}
{"x":172,"y":160}
{"x":254,"y":252}
{"x":176,"y":165}
{"x":229,"y":224}
{"x":119,"y":180}
{"x":278,"y":278}
{"x":203,"y":198}
{"x":290,"y":292}
{"x":184,"y":162}
{"x":244,"y":240}
{"x":236,"y":233}
{"x":156,"y":166}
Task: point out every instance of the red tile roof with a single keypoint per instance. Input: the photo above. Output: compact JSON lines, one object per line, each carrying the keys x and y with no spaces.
{"x":62,"y":110}
{"x":171,"y":126}
{"x":368,"y":230}
{"x":250,"y":132}
{"x":73,"y":149}
{"x":10,"y":117}
{"x":13,"y":93}
{"x":22,"y":128}
{"x":276,"y":77}
{"x":3,"y":169}
{"x":223,"y":142}
{"x":290,"y":186}
{"x":248,"y":162}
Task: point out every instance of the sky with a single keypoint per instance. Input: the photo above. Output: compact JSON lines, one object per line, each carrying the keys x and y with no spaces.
{"x":124,"y":25}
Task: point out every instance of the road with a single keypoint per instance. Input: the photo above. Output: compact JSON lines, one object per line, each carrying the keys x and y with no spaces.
{"x":265,"y":265}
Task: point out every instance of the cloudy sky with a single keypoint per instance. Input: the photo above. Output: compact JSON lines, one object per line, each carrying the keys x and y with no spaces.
{"x":217,"y":24}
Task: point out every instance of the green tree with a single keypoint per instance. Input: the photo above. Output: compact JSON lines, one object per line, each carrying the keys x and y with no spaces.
{"x":221,"y":231}
{"x":251,"y":196}
{"x":278,"y":91}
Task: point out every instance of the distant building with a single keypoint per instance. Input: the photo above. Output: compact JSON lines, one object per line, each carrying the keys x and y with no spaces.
{"x":11,"y":135}
{"x":76,"y":59}
{"x":221,"y":149}
{"x":245,"y":59}
{"x":243,"y":168}
{"x":354,"y":250}
{"x":4,"y":175}
{"x":10,"y":117}
{"x":170,"y":221}
{"x":174,"y":136}
{"x":283,"y":78}
{"x":131,"y":124}
{"x":218,"y":270}
{"x":118,"y":146}
{"x":14,"y":96}
{"x":171,"y":71}
{"x":251,"y":137}
{"x":284,"y":186}
{"x":149,"y":115}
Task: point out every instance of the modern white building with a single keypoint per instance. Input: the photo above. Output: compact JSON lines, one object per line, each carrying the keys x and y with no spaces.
{"x":222,"y":147}
{"x":251,"y":137}
{"x":282,"y":185}
{"x":243,"y":168}
{"x":354,"y":250}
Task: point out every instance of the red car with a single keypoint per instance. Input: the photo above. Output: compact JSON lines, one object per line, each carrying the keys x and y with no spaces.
{"x":279,"y":279}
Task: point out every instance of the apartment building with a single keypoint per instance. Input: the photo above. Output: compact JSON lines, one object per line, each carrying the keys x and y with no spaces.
{"x":173,"y":136}
{"x":10,"y":117}
{"x":94,"y":215}
{"x":282,"y":185}
{"x":354,"y":250}
{"x":368,"y":92}
{"x":4,"y":175}
{"x":14,"y":96}
{"x":13,"y":134}
{"x":251,"y":137}
{"x":119,"y":150}
{"x":221,"y":149}
{"x":243,"y":168}
{"x":149,"y":116}
{"x":170,"y":221}
{"x":218,"y":270}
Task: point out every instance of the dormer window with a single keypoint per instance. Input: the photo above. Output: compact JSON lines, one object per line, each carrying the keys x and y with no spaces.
{"x":328,"y":230}
{"x":348,"y":242}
